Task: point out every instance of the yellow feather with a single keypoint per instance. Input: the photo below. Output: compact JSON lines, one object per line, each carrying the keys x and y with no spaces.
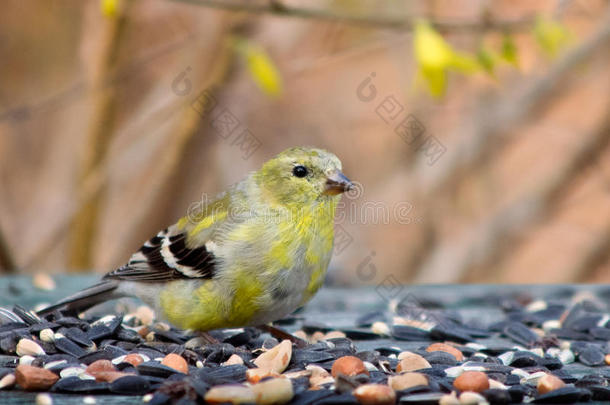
{"x":207,"y":222}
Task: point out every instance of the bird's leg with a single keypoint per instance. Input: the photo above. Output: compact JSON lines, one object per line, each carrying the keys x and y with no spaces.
{"x":207,"y":338}
{"x":282,"y":334}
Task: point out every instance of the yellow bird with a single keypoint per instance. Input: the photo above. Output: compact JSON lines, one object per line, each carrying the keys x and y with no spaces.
{"x":251,"y":256}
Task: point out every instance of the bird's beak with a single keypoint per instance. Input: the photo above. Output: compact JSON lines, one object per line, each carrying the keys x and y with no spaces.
{"x":337,"y":183}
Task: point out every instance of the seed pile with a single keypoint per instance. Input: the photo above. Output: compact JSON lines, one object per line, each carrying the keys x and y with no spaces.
{"x":554,"y":351}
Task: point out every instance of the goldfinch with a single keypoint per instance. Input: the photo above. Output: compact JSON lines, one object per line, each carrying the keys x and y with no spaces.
{"x":251,"y":256}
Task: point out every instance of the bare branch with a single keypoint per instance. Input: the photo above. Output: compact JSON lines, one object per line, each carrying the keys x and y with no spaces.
{"x":7,"y":261}
{"x":99,"y":135}
{"x":594,"y":256}
{"x":400,"y":22}
{"x":97,"y":180}
{"x":488,"y":243}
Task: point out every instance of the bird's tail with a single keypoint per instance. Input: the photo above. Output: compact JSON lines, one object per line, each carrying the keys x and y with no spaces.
{"x":87,"y":298}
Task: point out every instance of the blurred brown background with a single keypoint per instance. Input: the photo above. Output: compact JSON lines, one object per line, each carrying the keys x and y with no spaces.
{"x":101,"y":146}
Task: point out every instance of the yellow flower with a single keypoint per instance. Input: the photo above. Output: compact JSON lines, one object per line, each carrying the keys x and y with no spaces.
{"x":552,"y":36}
{"x":509,"y":50}
{"x":261,"y":67}
{"x":110,"y":8}
{"x":435,"y":57}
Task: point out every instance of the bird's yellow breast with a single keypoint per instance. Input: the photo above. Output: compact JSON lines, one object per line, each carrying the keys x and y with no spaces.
{"x":264,"y":270}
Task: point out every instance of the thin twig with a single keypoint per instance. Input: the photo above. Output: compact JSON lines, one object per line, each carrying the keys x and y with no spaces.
{"x":101,"y":130}
{"x":7,"y":261}
{"x":190,"y":122}
{"x":403,"y":22}
{"x":491,"y":240}
{"x":98,"y":178}
{"x":594,"y":256}
{"x":76,"y":90}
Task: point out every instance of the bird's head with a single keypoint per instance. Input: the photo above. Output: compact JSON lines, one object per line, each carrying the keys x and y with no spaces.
{"x":300,"y":176}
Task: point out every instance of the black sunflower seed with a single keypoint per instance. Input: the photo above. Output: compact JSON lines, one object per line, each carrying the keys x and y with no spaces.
{"x":387,"y":351}
{"x":155,"y":369}
{"x":11,"y":326}
{"x":99,"y":332}
{"x":370,"y":356}
{"x":5,"y":370}
{"x":311,"y":327}
{"x":552,"y":363}
{"x":517,"y":393}
{"x":311,"y":397}
{"x":524,"y":359}
{"x":169,"y":336}
{"x":551,"y":312}
{"x":570,"y":334}
{"x":149,"y":351}
{"x":155,"y":382}
{"x":600,"y":333}
{"x":9,"y":361}
{"x":221,"y":375}
{"x":17,"y":333}
{"x":8,"y":345}
{"x":239,"y":337}
{"x":409,"y":333}
{"x":439,"y":357}
{"x":130,"y":385}
{"x":521,"y":334}
{"x":454,"y":334}
{"x":322,"y":345}
{"x":590,"y":379}
{"x":435,"y":371}
{"x":67,"y":346}
{"x":28,"y":317}
{"x":69,"y":321}
{"x":599,"y":392}
{"x":77,"y":335}
{"x":270,"y":343}
{"x":127,"y":346}
{"x":76,"y":385}
{"x":128,"y":335}
{"x":591,"y":356}
{"x":583,"y":323}
{"x":104,"y":353}
{"x":360,"y":334}
{"x":565,"y":376}
{"x":299,"y":385}
{"x":103,"y":330}
{"x":36,"y":328}
{"x":565,"y":395}
{"x":57,"y":357}
{"x":343,"y":343}
{"x":57,"y":368}
{"x":492,"y":365}
{"x":418,"y":389}
{"x":430,"y":398}
{"x":217,"y":353}
{"x":48,"y":347}
{"x":346,"y":399}
{"x":497,"y":396}
{"x":302,"y":357}
{"x":160,"y":398}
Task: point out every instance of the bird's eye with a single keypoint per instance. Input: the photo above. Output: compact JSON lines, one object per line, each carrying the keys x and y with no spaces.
{"x":299,"y":171}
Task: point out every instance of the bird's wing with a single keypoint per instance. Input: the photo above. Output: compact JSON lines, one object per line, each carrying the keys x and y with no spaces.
{"x":166,"y":257}
{"x":186,"y":249}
